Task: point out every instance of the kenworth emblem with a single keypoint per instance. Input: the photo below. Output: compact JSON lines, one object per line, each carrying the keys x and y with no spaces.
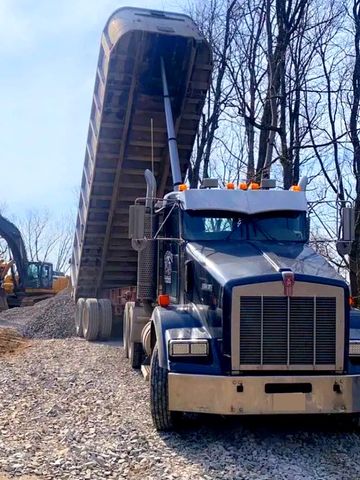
{"x":288,"y":282}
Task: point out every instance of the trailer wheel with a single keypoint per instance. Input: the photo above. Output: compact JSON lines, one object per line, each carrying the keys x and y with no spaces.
{"x":162,"y":418}
{"x":79,"y":311}
{"x":136,"y":354}
{"x":125,"y":331}
{"x":91,"y":319}
{"x":105,"y":318}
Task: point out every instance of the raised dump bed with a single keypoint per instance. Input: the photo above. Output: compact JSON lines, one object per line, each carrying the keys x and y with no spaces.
{"x":128,"y":97}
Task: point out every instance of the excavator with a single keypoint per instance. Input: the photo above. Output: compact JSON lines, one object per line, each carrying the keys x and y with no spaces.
{"x":23,"y":282}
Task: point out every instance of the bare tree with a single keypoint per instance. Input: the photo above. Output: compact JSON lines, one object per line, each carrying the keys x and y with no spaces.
{"x":288,"y":14}
{"x":62,"y":250}
{"x":36,"y":231}
{"x":214,"y":20}
{"x":246,"y":71}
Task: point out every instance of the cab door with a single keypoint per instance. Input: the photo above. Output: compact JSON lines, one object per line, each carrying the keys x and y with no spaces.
{"x":46,"y":275}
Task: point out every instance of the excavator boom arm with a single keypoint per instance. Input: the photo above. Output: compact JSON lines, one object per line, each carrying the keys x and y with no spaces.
{"x":11,"y":234}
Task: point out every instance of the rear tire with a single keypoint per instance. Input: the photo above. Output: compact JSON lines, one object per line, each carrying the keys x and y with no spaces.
{"x":91,"y":319}
{"x":105,"y":318}
{"x":125,"y":331}
{"x":136,"y":354}
{"x":162,"y":418}
{"x":79,"y":311}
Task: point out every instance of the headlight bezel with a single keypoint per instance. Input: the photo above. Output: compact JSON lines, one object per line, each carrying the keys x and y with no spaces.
{"x":189,"y":348}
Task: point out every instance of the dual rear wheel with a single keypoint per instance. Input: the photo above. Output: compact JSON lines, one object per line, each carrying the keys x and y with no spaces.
{"x":93,"y":318}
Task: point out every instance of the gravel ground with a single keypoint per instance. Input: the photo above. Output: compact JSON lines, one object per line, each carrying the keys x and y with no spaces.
{"x":75,"y":410}
{"x":51,"y":318}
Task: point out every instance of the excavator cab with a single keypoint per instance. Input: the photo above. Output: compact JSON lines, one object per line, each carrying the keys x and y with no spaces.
{"x":39,"y":276}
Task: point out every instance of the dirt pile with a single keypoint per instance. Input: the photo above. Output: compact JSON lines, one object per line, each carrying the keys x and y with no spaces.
{"x":11,"y":341}
{"x":51,"y":318}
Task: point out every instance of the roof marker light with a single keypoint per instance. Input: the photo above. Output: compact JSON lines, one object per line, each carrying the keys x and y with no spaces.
{"x":295,"y":188}
{"x":254,"y":186}
{"x":230,"y":186}
{"x":243,"y":186}
{"x":182,"y":187}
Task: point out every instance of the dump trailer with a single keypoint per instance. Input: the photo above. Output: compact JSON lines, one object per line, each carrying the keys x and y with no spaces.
{"x":226,"y":308}
{"x":127,"y":134}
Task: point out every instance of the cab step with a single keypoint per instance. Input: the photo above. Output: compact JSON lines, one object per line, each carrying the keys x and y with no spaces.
{"x":145,"y":370}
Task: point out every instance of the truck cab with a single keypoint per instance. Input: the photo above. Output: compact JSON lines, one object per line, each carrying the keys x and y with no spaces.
{"x":257,"y":321}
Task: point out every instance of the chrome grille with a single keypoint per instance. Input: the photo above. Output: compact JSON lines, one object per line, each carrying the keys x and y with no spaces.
{"x":287,"y":330}
{"x":325,"y":330}
{"x":275,"y":311}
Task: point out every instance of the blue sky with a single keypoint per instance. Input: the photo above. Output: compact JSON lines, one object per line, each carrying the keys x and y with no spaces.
{"x":48,"y":56}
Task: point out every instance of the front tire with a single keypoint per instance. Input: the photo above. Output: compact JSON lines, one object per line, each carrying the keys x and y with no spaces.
{"x":163,"y":419}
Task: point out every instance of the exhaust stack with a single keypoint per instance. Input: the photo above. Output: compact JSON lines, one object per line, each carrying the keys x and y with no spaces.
{"x":150,"y":188}
{"x":173,"y":149}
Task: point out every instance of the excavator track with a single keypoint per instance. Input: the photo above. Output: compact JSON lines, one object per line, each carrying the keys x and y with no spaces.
{"x":128,"y":99}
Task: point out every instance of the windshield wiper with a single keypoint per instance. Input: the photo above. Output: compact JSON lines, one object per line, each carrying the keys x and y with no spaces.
{"x":263,"y":232}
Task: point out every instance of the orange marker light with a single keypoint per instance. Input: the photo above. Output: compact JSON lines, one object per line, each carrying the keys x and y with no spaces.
{"x":182,"y":187}
{"x":243,"y":186}
{"x":230,"y":186}
{"x":164,"y":300}
{"x":254,"y":186}
{"x":295,"y":188}
{"x":351,"y":302}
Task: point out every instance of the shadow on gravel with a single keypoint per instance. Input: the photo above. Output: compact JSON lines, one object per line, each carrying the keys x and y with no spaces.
{"x":235,"y":430}
{"x":286,"y":447}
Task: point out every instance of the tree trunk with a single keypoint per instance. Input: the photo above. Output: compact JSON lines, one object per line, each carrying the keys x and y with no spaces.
{"x":354,"y":136}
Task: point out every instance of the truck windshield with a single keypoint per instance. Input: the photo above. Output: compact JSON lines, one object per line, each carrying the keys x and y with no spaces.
{"x":287,"y":226}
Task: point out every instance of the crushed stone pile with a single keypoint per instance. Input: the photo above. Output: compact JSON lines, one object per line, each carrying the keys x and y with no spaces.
{"x":51,"y":318}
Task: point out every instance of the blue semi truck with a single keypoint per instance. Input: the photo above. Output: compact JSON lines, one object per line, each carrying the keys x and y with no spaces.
{"x":225,"y":307}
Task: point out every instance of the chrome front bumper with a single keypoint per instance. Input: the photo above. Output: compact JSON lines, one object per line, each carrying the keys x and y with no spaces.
{"x":248,"y":395}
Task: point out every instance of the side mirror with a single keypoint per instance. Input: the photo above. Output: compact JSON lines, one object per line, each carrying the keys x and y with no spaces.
{"x":137,"y":222}
{"x":347,"y":229}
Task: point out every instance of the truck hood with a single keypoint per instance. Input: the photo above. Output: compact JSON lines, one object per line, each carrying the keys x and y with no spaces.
{"x":240,"y":260}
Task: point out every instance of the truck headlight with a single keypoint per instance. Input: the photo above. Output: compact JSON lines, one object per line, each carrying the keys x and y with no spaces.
{"x":189,"y":348}
{"x":354,"y":349}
